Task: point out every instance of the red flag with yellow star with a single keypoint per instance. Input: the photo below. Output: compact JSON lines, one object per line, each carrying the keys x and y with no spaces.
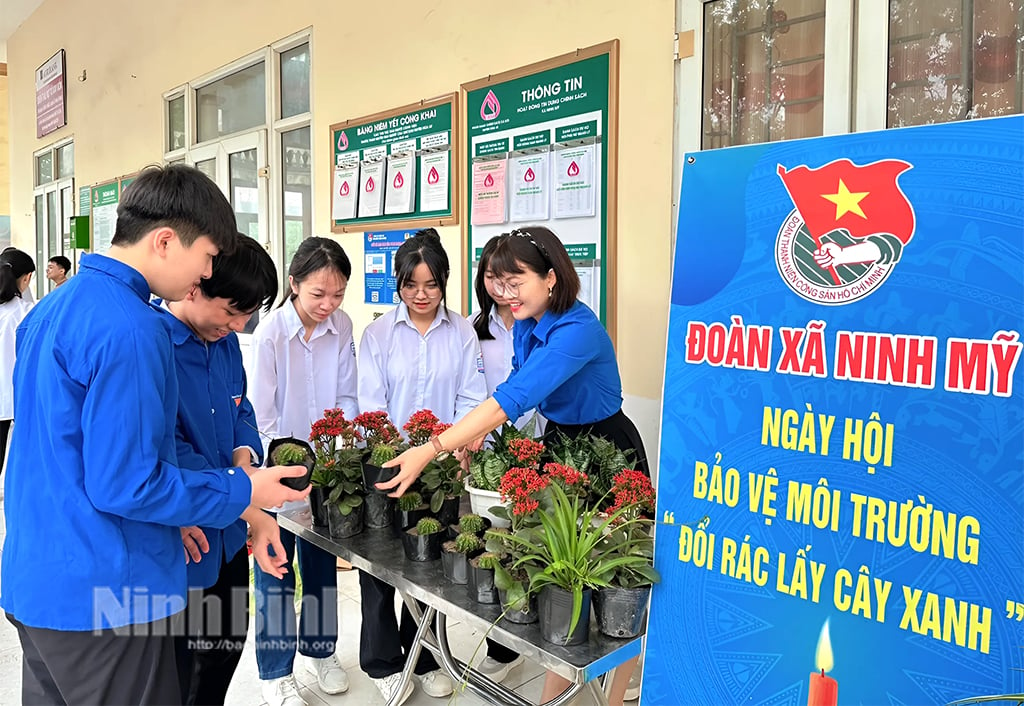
{"x":863,"y":200}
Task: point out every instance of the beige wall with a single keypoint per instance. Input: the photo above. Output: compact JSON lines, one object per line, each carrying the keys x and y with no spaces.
{"x":5,"y":146}
{"x":367,"y":57}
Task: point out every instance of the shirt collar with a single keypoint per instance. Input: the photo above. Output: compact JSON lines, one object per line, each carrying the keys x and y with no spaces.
{"x":118,"y":270}
{"x":496,"y":322}
{"x":542,"y":328}
{"x":180,"y":332}
{"x":297,"y":328}
{"x":402,"y":315}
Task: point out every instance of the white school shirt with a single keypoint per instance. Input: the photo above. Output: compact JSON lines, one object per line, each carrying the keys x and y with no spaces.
{"x":402,"y":372}
{"x":11,"y":315}
{"x":293,"y":381}
{"x":497,"y":354}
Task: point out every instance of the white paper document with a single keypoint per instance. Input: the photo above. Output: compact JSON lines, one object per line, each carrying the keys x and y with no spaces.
{"x":574,"y":182}
{"x":346,"y":191}
{"x":401,"y":185}
{"x":488,"y":195}
{"x":529,"y":193}
{"x":434,"y":181}
{"x":371,"y":189}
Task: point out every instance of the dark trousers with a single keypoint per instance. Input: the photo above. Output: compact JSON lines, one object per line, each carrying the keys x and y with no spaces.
{"x":5,"y":432}
{"x":383,"y":643}
{"x":61,"y":667}
{"x":215,"y":625}
{"x":499,"y":653}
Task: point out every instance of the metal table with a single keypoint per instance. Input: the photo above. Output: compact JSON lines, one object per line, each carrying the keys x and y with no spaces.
{"x":377,"y":552}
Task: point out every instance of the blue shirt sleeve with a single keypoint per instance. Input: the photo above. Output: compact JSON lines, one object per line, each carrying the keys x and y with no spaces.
{"x":130,"y":479}
{"x":568,"y":348}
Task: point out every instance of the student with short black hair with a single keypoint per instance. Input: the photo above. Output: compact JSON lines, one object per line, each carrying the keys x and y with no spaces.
{"x":93,"y":589}
{"x":216,"y":427}
{"x":303,"y":362}
{"x":16,"y":268}
{"x":57,"y":268}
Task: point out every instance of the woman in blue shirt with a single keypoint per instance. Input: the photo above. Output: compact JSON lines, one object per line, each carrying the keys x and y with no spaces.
{"x":564,"y":365}
{"x":418,"y":356}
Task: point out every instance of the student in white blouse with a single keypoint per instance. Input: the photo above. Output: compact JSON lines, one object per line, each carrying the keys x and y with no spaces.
{"x":16,"y":268}
{"x":419,"y":356}
{"x":303,"y":362}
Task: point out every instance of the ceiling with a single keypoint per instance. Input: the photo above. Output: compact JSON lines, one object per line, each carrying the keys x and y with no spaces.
{"x":12,"y":14}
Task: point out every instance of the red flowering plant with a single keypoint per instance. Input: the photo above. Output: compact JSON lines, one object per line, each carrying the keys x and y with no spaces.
{"x":629,"y":534}
{"x":442,"y":478}
{"x":337,"y":467}
{"x":574,"y":483}
{"x":507,"y":447}
{"x":381,"y":436}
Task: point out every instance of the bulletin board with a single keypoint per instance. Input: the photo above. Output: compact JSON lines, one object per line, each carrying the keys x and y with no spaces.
{"x":541,"y":149}
{"x":104,"y":199}
{"x":396,"y":167}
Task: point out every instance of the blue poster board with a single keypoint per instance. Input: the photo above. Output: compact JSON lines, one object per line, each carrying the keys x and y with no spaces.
{"x":841,"y":490}
{"x":379,"y":265}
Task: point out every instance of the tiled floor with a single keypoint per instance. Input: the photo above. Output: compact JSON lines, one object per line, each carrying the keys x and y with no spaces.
{"x":527,"y":679}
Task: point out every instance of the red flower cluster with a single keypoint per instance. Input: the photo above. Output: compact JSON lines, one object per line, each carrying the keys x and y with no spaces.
{"x":376,"y":428}
{"x":518,"y":486}
{"x":422,"y":425}
{"x":526,"y":451}
{"x":569,"y":476}
{"x":632,"y":489}
{"x":332,"y":425}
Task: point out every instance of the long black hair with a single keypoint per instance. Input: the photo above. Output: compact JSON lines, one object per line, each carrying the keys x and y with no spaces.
{"x":424,"y":247}
{"x":482,"y":322}
{"x":315,"y":254}
{"x":14,"y":264}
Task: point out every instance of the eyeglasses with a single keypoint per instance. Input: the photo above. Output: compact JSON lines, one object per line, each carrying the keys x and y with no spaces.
{"x":502,"y":288}
{"x":430,"y":291}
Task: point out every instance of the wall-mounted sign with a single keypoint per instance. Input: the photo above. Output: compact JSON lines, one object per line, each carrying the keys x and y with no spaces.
{"x":51,"y":96}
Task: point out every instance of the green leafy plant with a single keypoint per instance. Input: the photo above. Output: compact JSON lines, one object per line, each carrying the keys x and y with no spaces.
{"x":490,"y":463}
{"x":633,"y":495}
{"x":466,"y":543}
{"x":380,"y":434}
{"x":428,"y":525}
{"x":410,"y":501}
{"x":337,"y":468}
{"x":566,"y":549}
{"x":472,"y":523}
{"x":597,"y":457}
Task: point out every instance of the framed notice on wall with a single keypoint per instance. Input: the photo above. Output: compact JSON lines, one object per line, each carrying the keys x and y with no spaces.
{"x":541,"y":150}
{"x":105,"y":198}
{"x":51,"y":96}
{"x":395,"y":167}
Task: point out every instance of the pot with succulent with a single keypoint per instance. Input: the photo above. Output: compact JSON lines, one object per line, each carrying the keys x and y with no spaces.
{"x":409,"y":510}
{"x":423,"y":542}
{"x":621,"y":607}
{"x":480,"y":577}
{"x":289,"y":451}
{"x":509,"y":447}
{"x":442,"y":478}
{"x":382,"y":444}
{"x":455,"y":554}
{"x":470,"y":522}
{"x":565,"y":558}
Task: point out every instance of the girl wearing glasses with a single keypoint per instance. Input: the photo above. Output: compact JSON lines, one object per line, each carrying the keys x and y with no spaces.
{"x":418,"y":356}
{"x":564,"y":365}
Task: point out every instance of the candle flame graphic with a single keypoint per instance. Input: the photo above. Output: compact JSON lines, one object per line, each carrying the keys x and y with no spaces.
{"x":399,"y":181}
{"x":344,"y":188}
{"x":342,"y":141}
{"x":432,"y":177}
{"x":823,"y":655}
{"x":490,"y":108}
{"x":370,"y":185}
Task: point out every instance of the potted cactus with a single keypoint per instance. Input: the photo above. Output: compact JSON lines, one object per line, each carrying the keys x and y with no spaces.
{"x":289,"y":451}
{"x":455,"y":556}
{"x":470,"y":522}
{"x":409,"y":510}
{"x":382,"y":442}
{"x":481,"y":578}
{"x":423,"y":542}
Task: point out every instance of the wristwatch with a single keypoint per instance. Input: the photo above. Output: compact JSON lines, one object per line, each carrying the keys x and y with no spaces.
{"x":438,"y":447}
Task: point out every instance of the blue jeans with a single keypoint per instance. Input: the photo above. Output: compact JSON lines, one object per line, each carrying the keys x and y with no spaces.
{"x":277,"y":634}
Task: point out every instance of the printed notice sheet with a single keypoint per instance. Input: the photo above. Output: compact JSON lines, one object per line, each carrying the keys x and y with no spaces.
{"x":574,"y":182}
{"x":528,"y":188}
{"x":434,"y":181}
{"x":401,"y":192}
{"x":371,"y":189}
{"x":488,"y":205}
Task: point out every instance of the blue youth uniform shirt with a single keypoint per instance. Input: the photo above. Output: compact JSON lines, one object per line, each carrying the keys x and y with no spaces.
{"x":564,"y":365}
{"x":94,"y":498}
{"x":214,"y":418}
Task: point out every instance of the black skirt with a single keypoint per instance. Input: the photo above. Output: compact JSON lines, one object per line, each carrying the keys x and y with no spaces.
{"x":618,"y":429}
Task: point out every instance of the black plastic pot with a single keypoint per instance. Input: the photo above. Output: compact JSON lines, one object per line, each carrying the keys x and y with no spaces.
{"x":620,"y":612}
{"x":376,"y":474}
{"x":404,"y":519}
{"x":422,"y":547}
{"x":517,"y":616}
{"x":449,"y":511}
{"x":481,"y":584}
{"x":317,"y":505}
{"x":554,"y":607}
{"x":454,"y":531}
{"x":301,"y":482}
{"x":380,"y":511}
{"x":455,"y":566}
{"x":344,"y":526}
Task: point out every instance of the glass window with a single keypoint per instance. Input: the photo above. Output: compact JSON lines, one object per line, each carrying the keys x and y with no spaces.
{"x":208,"y":167}
{"x":234,"y":103}
{"x":764,"y":70}
{"x":40,"y":215}
{"x":953,"y":60}
{"x":245,"y":194}
{"x":66,"y":161}
{"x":295,"y":81}
{"x":298,"y":203}
{"x":44,"y":168}
{"x":176,"y":124}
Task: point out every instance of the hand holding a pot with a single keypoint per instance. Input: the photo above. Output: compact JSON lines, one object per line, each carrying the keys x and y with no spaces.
{"x":267,"y":549}
{"x":267,"y":490}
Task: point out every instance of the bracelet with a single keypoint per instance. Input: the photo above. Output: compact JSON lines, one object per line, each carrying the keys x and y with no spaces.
{"x":438,"y":446}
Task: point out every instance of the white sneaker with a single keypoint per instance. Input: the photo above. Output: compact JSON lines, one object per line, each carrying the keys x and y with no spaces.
{"x":282,"y":692}
{"x":331,"y":677}
{"x":497,"y":671}
{"x":388,"y":687}
{"x":633,"y":690}
{"x":437,"y":684}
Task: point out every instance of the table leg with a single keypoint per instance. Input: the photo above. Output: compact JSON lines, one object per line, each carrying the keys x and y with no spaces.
{"x":414,"y":653}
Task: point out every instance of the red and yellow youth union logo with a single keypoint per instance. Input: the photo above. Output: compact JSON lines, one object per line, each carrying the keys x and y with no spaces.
{"x":847,"y":232}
